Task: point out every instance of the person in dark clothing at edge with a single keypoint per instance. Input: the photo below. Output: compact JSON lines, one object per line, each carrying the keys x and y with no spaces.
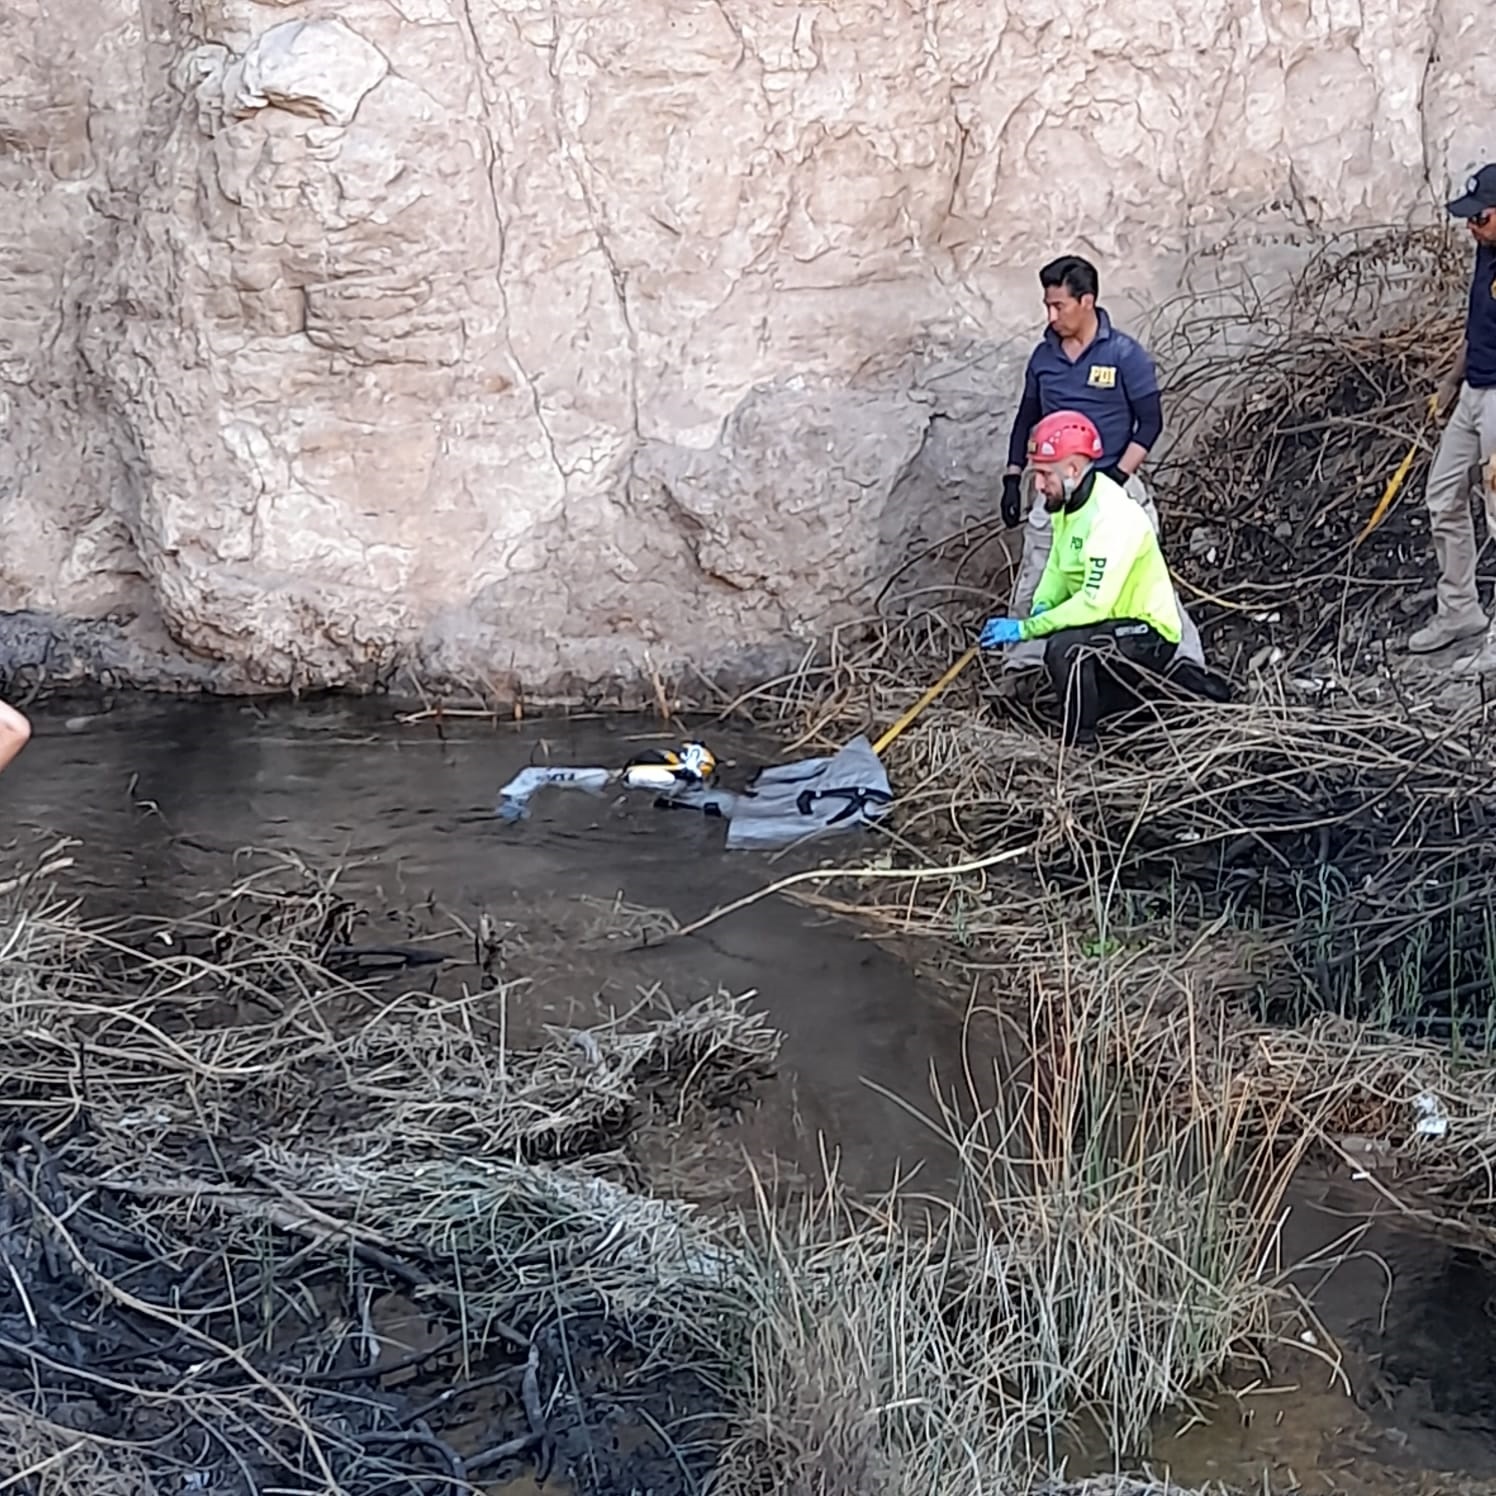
{"x":1468,"y":395}
{"x":1085,"y":364}
{"x":1104,"y":613}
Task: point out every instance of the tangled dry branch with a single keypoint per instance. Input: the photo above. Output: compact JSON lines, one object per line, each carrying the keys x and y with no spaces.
{"x":1290,"y":416}
{"x":263,"y":1224}
{"x":225,"y":1165}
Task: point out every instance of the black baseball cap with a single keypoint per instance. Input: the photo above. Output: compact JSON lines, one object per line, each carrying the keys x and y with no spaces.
{"x":1480,"y":194}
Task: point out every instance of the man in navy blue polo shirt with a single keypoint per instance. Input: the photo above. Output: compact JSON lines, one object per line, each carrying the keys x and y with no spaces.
{"x":1469,"y":440}
{"x":1082,"y":363}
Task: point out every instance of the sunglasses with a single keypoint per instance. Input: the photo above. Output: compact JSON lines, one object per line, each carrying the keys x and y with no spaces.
{"x":1480,"y":220}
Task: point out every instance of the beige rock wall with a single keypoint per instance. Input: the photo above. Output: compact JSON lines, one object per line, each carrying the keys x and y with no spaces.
{"x":508,"y":339}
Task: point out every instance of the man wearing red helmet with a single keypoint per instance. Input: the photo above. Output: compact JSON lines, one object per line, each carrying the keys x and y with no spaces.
{"x":1105,"y":603}
{"x":1084,"y":364}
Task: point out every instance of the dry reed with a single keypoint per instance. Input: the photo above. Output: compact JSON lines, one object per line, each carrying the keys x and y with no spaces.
{"x":218,"y":1177}
{"x":1101,"y":1255}
{"x":40,"y":1457}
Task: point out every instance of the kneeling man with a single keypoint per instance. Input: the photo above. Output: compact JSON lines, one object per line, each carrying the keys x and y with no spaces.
{"x":1106,"y":603}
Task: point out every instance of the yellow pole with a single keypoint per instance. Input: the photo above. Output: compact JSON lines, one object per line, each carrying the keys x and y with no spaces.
{"x":926,"y":699}
{"x":1394,"y":483}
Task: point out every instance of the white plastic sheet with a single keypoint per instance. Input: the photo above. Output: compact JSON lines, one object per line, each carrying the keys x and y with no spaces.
{"x":514,"y":797}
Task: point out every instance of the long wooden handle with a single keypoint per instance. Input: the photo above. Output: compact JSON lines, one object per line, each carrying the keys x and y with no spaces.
{"x":926,"y":699}
{"x":1388,"y":494}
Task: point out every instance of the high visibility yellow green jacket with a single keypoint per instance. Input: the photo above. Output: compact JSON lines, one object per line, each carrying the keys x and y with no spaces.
{"x":1104,"y":563}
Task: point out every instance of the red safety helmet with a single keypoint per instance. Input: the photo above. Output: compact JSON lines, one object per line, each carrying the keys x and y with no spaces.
{"x":1065,"y":433}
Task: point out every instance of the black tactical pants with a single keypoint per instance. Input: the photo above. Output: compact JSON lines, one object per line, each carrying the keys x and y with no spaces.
{"x":1103,"y":669}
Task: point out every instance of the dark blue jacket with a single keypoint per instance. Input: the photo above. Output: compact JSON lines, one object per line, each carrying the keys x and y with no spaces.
{"x":1113,"y":382}
{"x":1480,"y":323}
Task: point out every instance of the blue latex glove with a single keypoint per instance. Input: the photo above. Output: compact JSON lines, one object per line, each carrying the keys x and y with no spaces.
{"x":999,"y":631}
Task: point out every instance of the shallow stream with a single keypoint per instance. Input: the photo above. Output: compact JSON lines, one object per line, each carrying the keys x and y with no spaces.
{"x":162,"y":796}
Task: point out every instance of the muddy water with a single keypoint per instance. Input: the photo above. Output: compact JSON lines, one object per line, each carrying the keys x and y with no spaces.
{"x":1391,"y":1386}
{"x":162,"y":795}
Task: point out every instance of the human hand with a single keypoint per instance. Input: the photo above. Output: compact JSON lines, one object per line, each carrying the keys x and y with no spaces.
{"x":1012,"y":505}
{"x":998,"y":632}
{"x":1442,"y":399}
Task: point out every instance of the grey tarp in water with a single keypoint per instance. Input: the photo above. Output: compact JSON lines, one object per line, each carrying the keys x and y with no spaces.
{"x":789,"y":803}
{"x":784,"y":804}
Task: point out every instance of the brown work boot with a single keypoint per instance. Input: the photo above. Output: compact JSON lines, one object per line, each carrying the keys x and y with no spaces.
{"x":1441,"y":631}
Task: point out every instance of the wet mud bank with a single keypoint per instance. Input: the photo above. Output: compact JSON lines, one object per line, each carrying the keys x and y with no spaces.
{"x":442,"y":1182}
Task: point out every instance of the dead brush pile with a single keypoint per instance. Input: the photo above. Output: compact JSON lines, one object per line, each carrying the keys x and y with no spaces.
{"x":265,"y":1226}
{"x":1288,"y":415}
{"x":1356,"y":836}
{"x":225,"y":1170}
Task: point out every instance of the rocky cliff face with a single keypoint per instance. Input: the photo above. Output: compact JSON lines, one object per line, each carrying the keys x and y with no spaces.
{"x":509,"y":339}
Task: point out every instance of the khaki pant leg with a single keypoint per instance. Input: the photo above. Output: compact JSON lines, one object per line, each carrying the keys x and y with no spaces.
{"x":1190,"y":647}
{"x":1447,"y":494}
{"x":1485,"y":428}
{"x":1038,"y":536}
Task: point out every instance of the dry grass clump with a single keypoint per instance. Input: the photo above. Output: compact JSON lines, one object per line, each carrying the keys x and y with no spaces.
{"x":529,"y":1235}
{"x":1102,"y":1253}
{"x":219,"y":1030}
{"x":1362,"y":1087}
{"x":42,"y":1458}
{"x":1355,"y":839}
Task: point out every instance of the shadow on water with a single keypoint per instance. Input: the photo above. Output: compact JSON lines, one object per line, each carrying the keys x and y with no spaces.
{"x":161,"y":796}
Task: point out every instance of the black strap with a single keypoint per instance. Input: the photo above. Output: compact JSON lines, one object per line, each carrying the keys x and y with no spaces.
{"x":1077,"y":501}
{"x":858,"y":798}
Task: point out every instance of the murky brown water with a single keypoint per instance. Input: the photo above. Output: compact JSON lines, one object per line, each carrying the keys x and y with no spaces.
{"x":162,"y":795}
{"x":1396,"y":1393}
